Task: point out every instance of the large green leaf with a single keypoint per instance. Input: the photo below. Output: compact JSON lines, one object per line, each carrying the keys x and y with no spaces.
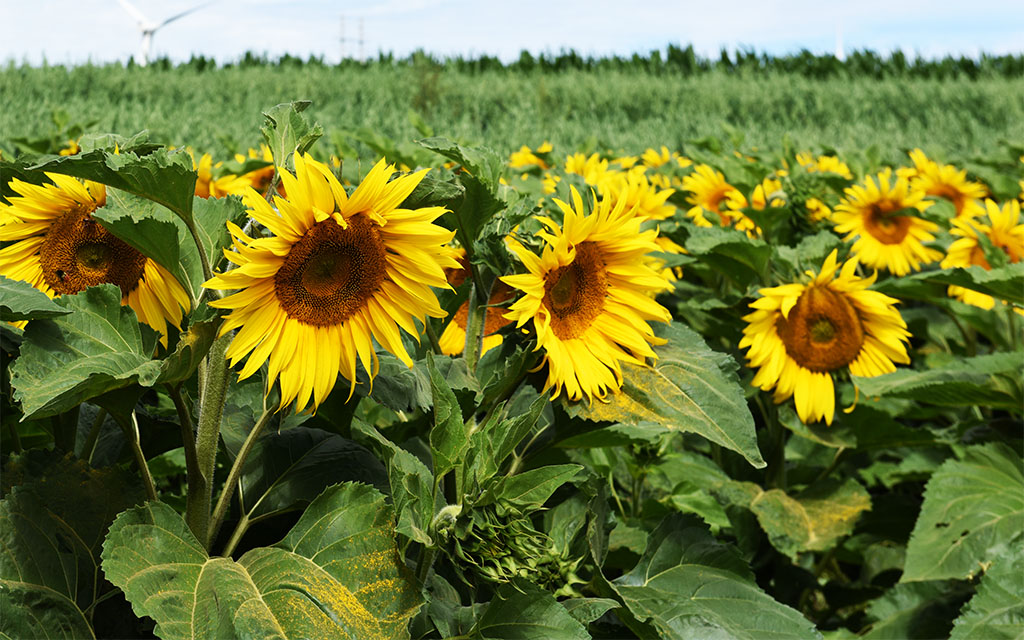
{"x":449,"y":438}
{"x":21,"y":301}
{"x":730,"y":253}
{"x":915,"y":611}
{"x":287,"y":470}
{"x":97,"y":348}
{"x":687,"y":585}
{"x":996,"y":612}
{"x":959,"y":382}
{"x":689,"y":388}
{"x":336,"y":574}
{"x":812,"y":520}
{"x":287,"y":131}
{"x":212,"y":216}
{"x":973,"y":514}
{"x":523,"y":611}
{"x":1004,"y":283}
{"x":480,"y":161}
{"x":52,"y":525}
{"x":165,"y":177}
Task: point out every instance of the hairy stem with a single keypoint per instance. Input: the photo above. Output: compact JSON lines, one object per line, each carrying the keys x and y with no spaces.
{"x":236,"y":471}
{"x":188,"y":438}
{"x":131,"y":432}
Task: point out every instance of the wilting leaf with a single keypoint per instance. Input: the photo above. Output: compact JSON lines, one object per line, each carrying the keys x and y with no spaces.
{"x":687,"y":390}
{"x":812,"y":520}
{"x":996,"y":612}
{"x":973,"y":514}
{"x":21,"y":301}
{"x":52,"y":525}
{"x":687,"y":585}
{"x":336,"y":574}
{"x":97,"y":348}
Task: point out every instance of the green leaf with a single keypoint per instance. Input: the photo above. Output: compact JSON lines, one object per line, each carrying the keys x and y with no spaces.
{"x":155,"y":232}
{"x":192,"y":347}
{"x":687,"y":585}
{"x":495,"y":441}
{"x":863,"y":428}
{"x":523,"y":611}
{"x":412,"y":487}
{"x":51,"y":527}
{"x":477,"y":207}
{"x":1003,"y":283}
{"x":687,"y":389}
{"x":97,"y":348}
{"x":212,"y":216}
{"x":586,"y":610}
{"x":973,"y":514}
{"x":397,"y":386}
{"x":336,"y":574}
{"x":918,"y":611}
{"x":449,"y":439}
{"x":812,"y":520}
{"x":730,"y":252}
{"x":996,"y":612}
{"x":960,"y":382}
{"x":285,"y":471}
{"x":287,"y":131}
{"x":432,"y":192}
{"x":165,"y":177}
{"x":480,"y":161}
{"x":531,"y":488}
{"x":21,"y":301}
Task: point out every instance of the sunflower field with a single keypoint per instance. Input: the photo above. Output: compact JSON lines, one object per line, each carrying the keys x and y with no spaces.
{"x":363,"y":387}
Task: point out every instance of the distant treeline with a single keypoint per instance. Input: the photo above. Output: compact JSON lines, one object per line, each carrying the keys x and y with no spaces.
{"x":674,"y":60}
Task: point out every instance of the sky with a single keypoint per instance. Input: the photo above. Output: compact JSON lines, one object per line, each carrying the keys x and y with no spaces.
{"x":77,"y":31}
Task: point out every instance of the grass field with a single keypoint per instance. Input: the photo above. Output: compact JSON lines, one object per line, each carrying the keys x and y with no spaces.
{"x":218,"y":110}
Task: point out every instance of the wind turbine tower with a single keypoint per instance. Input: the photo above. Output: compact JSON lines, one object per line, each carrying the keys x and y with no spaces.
{"x":149,"y":27}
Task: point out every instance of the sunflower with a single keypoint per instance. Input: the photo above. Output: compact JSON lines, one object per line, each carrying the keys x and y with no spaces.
{"x":655,"y":159}
{"x":709,"y":191}
{"x":875,"y":213}
{"x":453,"y":338}
{"x":817,"y":210}
{"x":60,"y":249}
{"x":823,"y":164}
{"x":587,"y":295}
{"x":799,"y":334}
{"x":338,"y":272}
{"x":1005,"y":231}
{"x":639,"y":194}
{"x":945,"y":181}
{"x":765,"y":194}
{"x":525,"y":157}
{"x":259,"y":179}
{"x":592,"y":168}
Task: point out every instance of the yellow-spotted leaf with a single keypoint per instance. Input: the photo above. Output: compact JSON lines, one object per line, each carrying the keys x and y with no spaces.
{"x":336,"y":574}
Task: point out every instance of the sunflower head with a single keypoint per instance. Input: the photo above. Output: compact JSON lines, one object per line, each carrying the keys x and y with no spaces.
{"x":60,"y":249}
{"x":802,"y":333}
{"x":880,"y":216}
{"x":592,"y":168}
{"x":709,"y":194}
{"x":946,"y":181}
{"x":588,"y":296}
{"x":1004,"y":231}
{"x":336,"y":273}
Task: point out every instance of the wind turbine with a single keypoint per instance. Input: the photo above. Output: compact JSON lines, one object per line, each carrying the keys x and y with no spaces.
{"x":149,"y":27}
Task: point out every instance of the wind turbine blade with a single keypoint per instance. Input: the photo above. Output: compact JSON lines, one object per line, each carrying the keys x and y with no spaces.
{"x":183,"y":14}
{"x":130,"y":8}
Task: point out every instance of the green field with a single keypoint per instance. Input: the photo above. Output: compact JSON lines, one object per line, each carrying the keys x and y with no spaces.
{"x":218,"y":110}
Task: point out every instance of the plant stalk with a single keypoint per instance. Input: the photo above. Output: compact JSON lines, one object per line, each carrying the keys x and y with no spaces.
{"x":224,"y":501}
{"x":131,"y":432}
{"x":188,"y":438}
{"x":211,"y":409}
{"x":236,"y":535}
{"x":94,"y":434}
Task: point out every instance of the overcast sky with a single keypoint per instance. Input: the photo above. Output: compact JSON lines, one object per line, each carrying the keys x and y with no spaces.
{"x":72,"y":31}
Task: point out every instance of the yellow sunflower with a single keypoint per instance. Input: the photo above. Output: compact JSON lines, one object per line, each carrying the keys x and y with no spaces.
{"x":338,"y":272}
{"x":525,"y":157}
{"x":709,"y":191}
{"x":639,"y":194}
{"x":823,"y":164}
{"x":587,"y":295}
{"x":799,"y":334}
{"x":767,"y":193}
{"x":655,"y":159}
{"x":887,"y":237}
{"x":59,"y":248}
{"x":945,"y":181}
{"x":817,"y":210}
{"x":592,"y":168}
{"x":453,"y":338}
{"x":1005,"y":231}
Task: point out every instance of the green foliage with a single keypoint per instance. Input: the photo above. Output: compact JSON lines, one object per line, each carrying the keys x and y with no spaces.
{"x":287,"y":131}
{"x":522,"y":611}
{"x":973,"y":514}
{"x":997,"y":610}
{"x":689,"y":388}
{"x":22,"y":301}
{"x":319,"y":581}
{"x":687,"y":584}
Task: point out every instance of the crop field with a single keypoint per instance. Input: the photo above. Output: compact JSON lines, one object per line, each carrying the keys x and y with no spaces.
{"x":565,"y":348}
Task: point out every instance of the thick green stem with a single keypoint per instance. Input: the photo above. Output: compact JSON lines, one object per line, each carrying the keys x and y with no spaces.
{"x":188,"y":437}
{"x":211,"y":409}
{"x":236,"y":535}
{"x":477,"y":313}
{"x":236,"y":471}
{"x":65,"y":429}
{"x":94,"y":435}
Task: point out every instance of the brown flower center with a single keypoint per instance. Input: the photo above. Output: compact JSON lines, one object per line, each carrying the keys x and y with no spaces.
{"x":575,"y":293}
{"x":331,"y":272}
{"x":78,"y":253}
{"x":823,"y":331}
{"x":886,"y":227}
